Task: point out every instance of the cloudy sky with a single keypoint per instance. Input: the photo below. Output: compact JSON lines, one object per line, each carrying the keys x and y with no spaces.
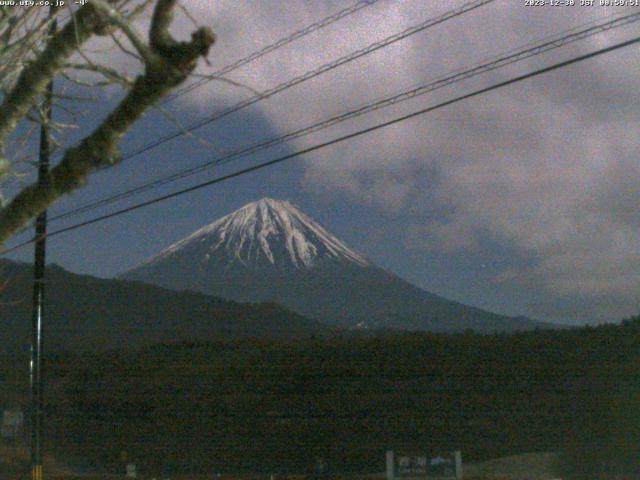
{"x":522,"y":201}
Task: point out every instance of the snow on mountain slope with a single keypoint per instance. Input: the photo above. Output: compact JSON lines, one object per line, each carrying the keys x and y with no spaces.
{"x":270,"y":251}
{"x":268,"y":230}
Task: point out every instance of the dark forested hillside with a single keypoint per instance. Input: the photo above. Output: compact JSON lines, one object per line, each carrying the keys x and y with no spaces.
{"x":273,"y":406}
{"x":86,"y":313}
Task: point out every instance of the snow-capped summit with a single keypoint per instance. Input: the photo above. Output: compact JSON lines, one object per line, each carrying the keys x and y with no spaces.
{"x":270,"y":251}
{"x":273,"y":231}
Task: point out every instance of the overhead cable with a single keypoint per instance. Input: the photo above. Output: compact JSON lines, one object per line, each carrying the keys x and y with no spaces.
{"x":312,"y":74}
{"x":337,"y":140}
{"x":272,"y":47}
{"x":403,"y":96}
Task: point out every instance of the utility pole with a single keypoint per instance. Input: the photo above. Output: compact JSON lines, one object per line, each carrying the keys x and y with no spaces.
{"x":36,"y":363}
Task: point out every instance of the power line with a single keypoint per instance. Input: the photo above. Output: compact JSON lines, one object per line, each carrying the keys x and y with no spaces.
{"x":449,"y":79}
{"x":314,"y":73}
{"x":219,"y":74}
{"x":272,"y":47}
{"x":337,"y":140}
{"x":320,"y":24}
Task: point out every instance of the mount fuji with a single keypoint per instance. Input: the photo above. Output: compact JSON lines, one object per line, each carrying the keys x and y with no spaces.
{"x":270,"y":251}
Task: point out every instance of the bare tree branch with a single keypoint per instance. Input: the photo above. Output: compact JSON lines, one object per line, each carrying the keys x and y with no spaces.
{"x":35,"y":77}
{"x":124,"y":25}
{"x":169,"y":64}
{"x":102,"y":70}
{"x":124,"y":49}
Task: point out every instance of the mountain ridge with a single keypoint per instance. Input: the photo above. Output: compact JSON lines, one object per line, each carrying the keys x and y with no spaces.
{"x":246,"y":236}
{"x":89,"y":313}
{"x":269,"y":250}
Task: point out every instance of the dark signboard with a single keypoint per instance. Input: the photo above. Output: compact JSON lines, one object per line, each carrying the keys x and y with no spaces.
{"x":440,"y":466}
{"x":412,"y":466}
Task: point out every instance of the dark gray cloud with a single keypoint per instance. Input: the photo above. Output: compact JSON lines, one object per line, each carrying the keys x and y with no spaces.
{"x":548,"y":167}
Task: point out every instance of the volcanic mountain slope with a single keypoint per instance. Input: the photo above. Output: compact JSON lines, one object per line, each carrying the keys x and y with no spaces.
{"x":271,"y":251}
{"x":88,"y":313}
